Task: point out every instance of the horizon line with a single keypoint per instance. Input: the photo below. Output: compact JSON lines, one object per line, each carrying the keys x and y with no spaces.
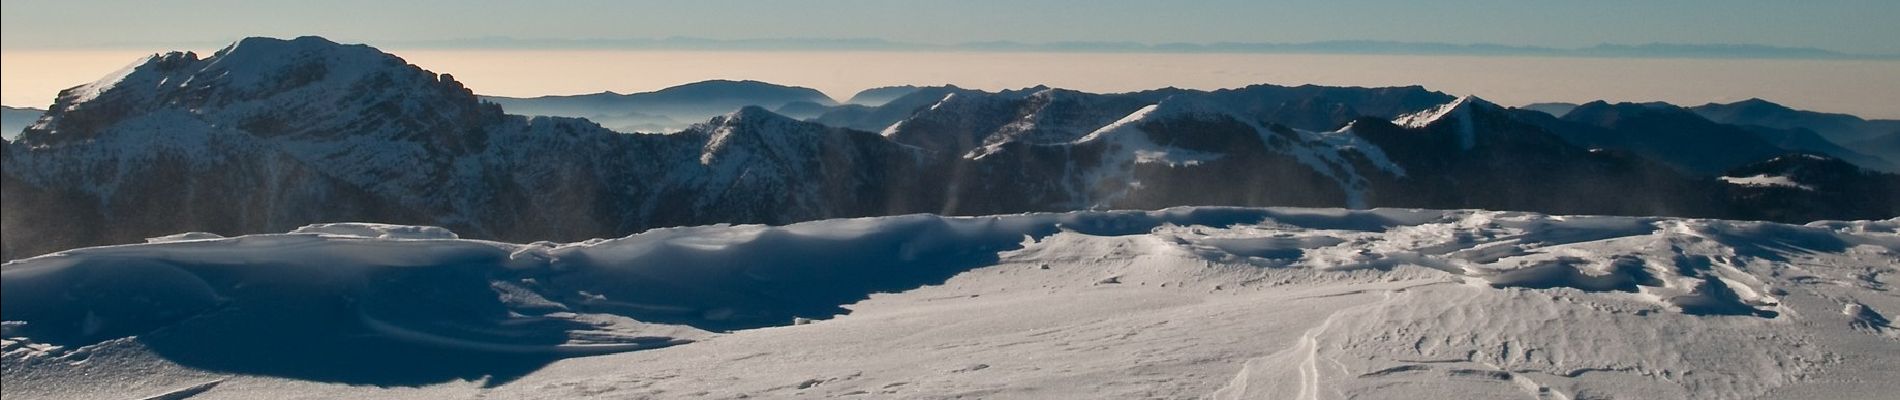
{"x":846,"y":101}
{"x":1341,"y":47}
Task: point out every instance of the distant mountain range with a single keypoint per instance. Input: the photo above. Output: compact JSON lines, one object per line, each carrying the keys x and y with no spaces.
{"x":878,"y":96}
{"x":668,"y":109}
{"x":1868,"y":143}
{"x":1322,"y":47}
{"x":1624,"y":50}
{"x":266,"y":135}
{"x":1887,"y":145}
{"x":16,"y":119}
{"x":1840,"y":128}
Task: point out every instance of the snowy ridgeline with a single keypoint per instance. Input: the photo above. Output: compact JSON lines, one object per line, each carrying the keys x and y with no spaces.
{"x":1184,"y":302}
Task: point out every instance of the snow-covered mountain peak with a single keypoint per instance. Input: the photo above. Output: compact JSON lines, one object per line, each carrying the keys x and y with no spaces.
{"x":1195,"y":106}
{"x":747,"y":121}
{"x":251,"y":49}
{"x":259,"y":64}
{"x":1050,"y":116}
{"x":1049,"y":94}
{"x":1172,"y":108}
{"x":142,"y":70}
{"x":754,"y":128}
{"x":1458,"y":111}
{"x":248,"y":68}
{"x":272,"y":87}
{"x":1459,"y":108}
{"x":755,"y":121}
{"x":750,"y":115}
{"x":1032,"y":90}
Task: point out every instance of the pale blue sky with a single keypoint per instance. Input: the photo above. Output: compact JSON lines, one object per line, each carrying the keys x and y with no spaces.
{"x":1853,"y":26}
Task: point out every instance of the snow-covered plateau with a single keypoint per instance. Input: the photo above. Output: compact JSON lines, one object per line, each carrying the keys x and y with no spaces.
{"x":1225,"y":303}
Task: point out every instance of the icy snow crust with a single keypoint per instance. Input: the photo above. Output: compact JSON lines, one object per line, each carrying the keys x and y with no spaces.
{"x":1177,"y":303}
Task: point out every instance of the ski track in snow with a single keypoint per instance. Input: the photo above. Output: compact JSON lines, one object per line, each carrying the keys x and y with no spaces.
{"x":1204,"y":302}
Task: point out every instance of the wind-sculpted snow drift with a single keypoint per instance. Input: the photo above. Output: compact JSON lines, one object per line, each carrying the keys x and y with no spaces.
{"x":1183,"y":302}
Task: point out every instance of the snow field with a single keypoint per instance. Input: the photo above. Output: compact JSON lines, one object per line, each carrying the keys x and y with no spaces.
{"x":1177,"y":303}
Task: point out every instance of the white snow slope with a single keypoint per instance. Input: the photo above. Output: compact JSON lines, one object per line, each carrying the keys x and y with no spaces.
{"x":1180,"y":303}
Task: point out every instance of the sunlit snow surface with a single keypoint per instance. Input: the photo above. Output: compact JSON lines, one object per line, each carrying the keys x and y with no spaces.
{"x":1460,"y":109}
{"x":1766,"y":180}
{"x":1179,"y":303}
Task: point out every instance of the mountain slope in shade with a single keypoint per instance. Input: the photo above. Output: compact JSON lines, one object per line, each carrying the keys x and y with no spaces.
{"x":667,"y":109}
{"x":1662,"y":132}
{"x":1788,"y":187}
{"x":1185,"y":142}
{"x":802,"y":110}
{"x":1887,"y":146}
{"x":879,"y":95}
{"x":1838,"y":128}
{"x":1472,"y":146}
{"x":1053,"y":149}
{"x":755,"y":165}
{"x":1804,"y":140}
{"x":878,"y":118}
{"x":212,"y":154}
{"x":1322,"y":108}
{"x":13,"y":120}
{"x":1316,"y":108}
{"x":1555,"y":109}
{"x":1180,"y":303}
{"x":1671,"y":135}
